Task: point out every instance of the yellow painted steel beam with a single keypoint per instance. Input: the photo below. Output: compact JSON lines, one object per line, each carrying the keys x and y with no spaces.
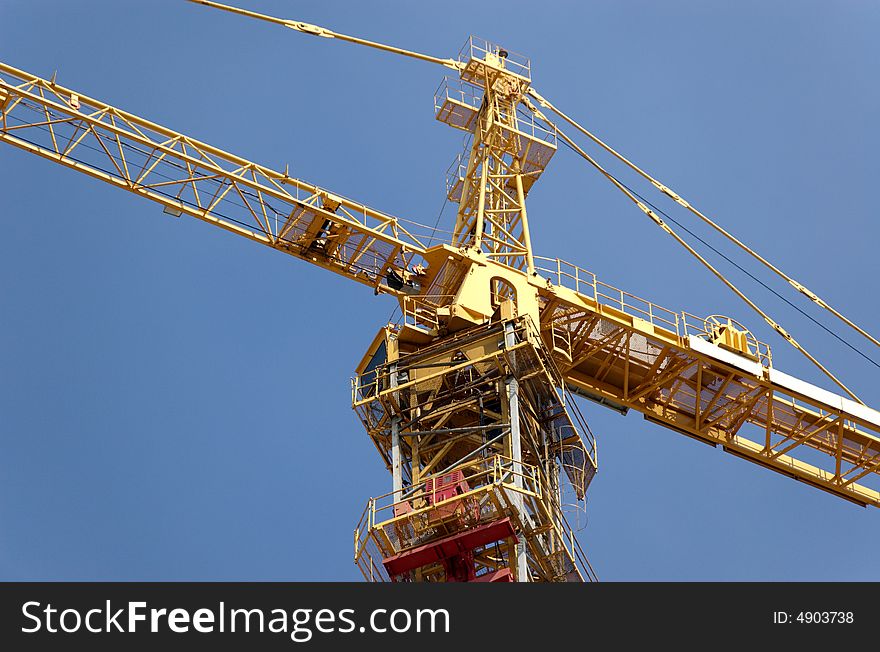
{"x":190,"y":177}
{"x":315,"y":30}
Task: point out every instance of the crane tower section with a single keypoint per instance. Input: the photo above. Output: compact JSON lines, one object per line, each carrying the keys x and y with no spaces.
{"x":485,"y":453}
{"x":462,"y":398}
{"x":508,"y":153}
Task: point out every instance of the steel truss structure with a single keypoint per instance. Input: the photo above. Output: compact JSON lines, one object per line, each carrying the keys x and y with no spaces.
{"x":483,"y":412}
{"x":468,"y":398}
{"x":189,"y":177}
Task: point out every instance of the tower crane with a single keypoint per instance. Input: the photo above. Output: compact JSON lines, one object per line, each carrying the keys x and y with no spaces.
{"x":469,"y":398}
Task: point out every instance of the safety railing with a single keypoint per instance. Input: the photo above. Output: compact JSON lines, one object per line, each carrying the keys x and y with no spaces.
{"x":456,"y":103}
{"x":368,"y":385}
{"x":482,"y":50}
{"x":527,"y":125}
{"x":452,"y":89}
{"x":396,"y":521}
{"x":585,"y":282}
{"x":494,"y":471}
{"x":706,"y":329}
{"x":479,"y":474}
{"x":421,"y":310}
{"x":568,"y":275}
{"x":455,"y":176}
{"x":586,"y":433}
{"x":576,"y":551}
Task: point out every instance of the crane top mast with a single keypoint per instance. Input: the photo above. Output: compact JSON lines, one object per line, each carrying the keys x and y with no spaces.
{"x":490,"y":247}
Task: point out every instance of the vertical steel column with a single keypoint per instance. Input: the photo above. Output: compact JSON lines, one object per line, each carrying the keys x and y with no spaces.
{"x":511,"y":385}
{"x":524,"y":219}
{"x":396,"y":466}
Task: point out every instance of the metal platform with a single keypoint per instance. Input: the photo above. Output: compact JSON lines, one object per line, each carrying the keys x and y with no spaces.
{"x":482,"y":58}
{"x":626,"y":352}
{"x":476,"y":427}
{"x":457,"y":104}
{"x":409,"y":539}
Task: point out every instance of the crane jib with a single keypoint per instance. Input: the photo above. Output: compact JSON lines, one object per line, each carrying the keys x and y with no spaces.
{"x":189,"y":177}
{"x":666,"y":366}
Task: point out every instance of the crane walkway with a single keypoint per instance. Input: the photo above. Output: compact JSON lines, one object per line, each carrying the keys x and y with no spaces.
{"x":687,"y":375}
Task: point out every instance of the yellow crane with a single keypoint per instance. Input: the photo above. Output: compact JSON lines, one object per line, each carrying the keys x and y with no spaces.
{"x":468,"y":398}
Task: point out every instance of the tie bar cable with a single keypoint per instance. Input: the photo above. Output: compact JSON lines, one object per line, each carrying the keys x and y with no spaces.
{"x":315,"y":30}
{"x":717,"y":227}
{"x":782,"y":332}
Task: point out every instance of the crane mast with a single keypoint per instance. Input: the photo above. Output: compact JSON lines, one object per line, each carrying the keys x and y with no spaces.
{"x":464,"y":400}
{"x":469,"y":397}
{"x":504,"y":161}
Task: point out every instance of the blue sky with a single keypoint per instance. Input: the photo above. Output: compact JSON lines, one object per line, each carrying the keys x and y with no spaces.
{"x":174,"y":401}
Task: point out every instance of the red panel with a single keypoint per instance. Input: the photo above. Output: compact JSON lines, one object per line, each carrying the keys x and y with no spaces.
{"x":446,"y":487}
{"x":451,"y":546}
{"x":503,"y":575}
